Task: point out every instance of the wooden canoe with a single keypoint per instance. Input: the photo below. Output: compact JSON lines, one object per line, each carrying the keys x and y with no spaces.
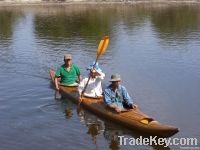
{"x":133,"y":119}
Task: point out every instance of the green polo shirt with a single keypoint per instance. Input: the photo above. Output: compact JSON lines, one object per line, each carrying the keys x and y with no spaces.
{"x":68,"y":77}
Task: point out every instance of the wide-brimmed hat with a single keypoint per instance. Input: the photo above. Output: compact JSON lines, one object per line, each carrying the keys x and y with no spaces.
{"x":67,"y":56}
{"x":115,"y":77}
{"x":97,"y":68}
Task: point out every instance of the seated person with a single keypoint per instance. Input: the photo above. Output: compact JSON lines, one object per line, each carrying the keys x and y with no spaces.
{"x":68,"y":72}
{"x":94,"y":87}
{"x":116,"y":96}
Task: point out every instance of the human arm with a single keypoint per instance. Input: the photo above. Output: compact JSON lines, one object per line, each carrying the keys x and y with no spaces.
{"x":78,"y":73}
{"x":56,"y":84}
{"x":126,"y":96}
{"x":57,"y":75}
{"x":128,"y":99}
{"x":115,"y":107}
{"x":100,"y":75}
{"x":134,"y":106}
{"x":107,"y":96}
{"x":80,"y":89}
{"x":107,"y":100}
{"x":81,"y":86}
{"x":79,"y":78}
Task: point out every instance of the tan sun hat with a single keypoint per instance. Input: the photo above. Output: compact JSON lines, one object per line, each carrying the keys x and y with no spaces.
{"x":67,"y":56}
{"x":115,"y":77}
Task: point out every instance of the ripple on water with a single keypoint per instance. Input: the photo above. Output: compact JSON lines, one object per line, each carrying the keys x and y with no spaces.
{"x":156,"y":51}
{"x":50,"y":108}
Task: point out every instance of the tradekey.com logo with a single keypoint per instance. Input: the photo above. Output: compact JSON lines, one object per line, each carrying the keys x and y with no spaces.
{"x":184,"y":143}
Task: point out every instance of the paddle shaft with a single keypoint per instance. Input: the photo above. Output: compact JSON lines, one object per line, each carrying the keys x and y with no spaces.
{"x":89,"y":76}
{"x":100,"y":51}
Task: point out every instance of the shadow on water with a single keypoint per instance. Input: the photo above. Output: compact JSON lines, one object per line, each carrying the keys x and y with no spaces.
{"x":97,"y":127}
{"x":110,"y":131}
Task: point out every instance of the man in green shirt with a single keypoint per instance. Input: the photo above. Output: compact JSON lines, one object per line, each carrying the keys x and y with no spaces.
{"x":68,"y":72}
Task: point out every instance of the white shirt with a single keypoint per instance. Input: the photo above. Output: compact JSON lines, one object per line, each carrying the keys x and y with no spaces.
{"x":94,"y":87}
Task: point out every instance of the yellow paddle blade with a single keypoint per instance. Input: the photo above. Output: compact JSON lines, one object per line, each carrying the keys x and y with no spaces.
{"x":103,"y":45}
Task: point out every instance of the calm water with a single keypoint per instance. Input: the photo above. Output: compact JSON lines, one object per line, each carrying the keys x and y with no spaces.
{"x":156,"y":49}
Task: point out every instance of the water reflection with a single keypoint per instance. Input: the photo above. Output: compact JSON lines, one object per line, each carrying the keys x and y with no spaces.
{"x":74,"y":23}
{"x":97,"y":127}
{"x":8,"y":19}
{"x":68,"y":22}
{"x":156,"y":76}
{"x":176,"y":22}
{"x":61,"y":23}
{"x":68,"y":113}
{"x":110,"y":131}
{"x":78,"y":30}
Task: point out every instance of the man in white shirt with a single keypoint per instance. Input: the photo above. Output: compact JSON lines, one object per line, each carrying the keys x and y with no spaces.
{"x":94,"y":87}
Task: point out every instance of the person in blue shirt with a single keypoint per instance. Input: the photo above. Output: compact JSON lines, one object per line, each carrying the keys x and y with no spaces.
{"x":116,"y":96}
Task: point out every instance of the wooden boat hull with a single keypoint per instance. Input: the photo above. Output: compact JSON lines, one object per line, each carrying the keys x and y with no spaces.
{"x":133,"y":119}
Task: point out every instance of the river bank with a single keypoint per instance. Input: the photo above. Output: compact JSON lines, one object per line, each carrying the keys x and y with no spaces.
{"x":110,"y":2}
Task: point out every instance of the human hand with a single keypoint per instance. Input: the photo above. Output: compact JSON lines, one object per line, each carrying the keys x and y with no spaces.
{"x":117,"y":109}
{"x":80,"y":99}
{"x":57,"y":88}
{"x":93,"y":70}
{"x":134,"y":106}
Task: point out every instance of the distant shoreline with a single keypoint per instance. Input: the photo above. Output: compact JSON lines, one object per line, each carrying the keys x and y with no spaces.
{"x":43,"y":3}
